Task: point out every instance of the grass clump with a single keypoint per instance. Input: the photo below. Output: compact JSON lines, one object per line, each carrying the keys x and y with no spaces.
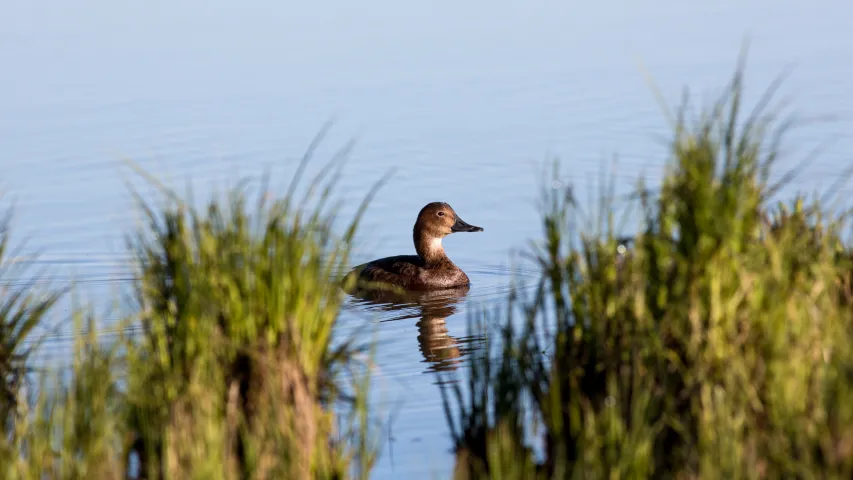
{"x":718,"y":346}
{"x":237,"y":376}
{"x":23,"y":308}
{"x":234,"y":373}
{"x":75,"y":428}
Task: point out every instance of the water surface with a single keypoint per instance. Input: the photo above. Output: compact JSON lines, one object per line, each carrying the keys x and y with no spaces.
{"x":465,"y":101}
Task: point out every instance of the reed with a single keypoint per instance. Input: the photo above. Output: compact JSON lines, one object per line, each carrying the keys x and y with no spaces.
{"x":235,"y":373}
{"x":717,"y":346}
{"x":24,"y":304}
{"x":75,"y":427}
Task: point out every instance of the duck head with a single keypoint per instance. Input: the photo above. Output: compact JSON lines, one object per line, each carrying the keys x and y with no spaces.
{"x":438,"y":220}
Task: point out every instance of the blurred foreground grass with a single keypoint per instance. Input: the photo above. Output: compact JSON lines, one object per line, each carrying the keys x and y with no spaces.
{"x":717,"y":346}
{"x":235,"y":374}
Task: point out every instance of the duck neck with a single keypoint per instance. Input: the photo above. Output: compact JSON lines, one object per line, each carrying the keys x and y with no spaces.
{"x":430,"y":249}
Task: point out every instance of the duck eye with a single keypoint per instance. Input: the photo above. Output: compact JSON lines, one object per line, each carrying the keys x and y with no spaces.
{"x":440,"y":214}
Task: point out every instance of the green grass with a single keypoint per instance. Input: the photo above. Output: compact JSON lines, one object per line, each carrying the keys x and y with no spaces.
{"x":719,"y":346}
{"x":238,"y":307}
{"x":234,"y":374}
{"x":23,"y":308}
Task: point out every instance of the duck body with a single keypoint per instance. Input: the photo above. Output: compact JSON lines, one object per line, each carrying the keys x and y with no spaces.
{"x":430,"y":268}
{"x":410,"y":272}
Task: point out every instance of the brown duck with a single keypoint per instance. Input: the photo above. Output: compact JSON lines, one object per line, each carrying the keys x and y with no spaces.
{"x":430,"y":268}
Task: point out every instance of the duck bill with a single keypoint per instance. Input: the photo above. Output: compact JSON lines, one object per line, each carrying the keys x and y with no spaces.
{"x":463,"y":226}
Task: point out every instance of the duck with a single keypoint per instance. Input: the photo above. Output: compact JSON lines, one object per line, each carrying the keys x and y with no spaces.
{"x":430,"y":269}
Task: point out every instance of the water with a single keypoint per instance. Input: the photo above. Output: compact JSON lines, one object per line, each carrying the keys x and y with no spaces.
{"x":465,"y":100}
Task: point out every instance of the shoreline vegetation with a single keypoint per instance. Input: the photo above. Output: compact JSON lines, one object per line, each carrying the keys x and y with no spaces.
{"x":718,"y":345}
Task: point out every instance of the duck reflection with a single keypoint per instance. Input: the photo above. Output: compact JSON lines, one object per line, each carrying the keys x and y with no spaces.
{"x":442,"y":351}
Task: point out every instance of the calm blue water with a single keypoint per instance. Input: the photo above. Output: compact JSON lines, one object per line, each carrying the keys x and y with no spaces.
{"x":466,"y":100}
